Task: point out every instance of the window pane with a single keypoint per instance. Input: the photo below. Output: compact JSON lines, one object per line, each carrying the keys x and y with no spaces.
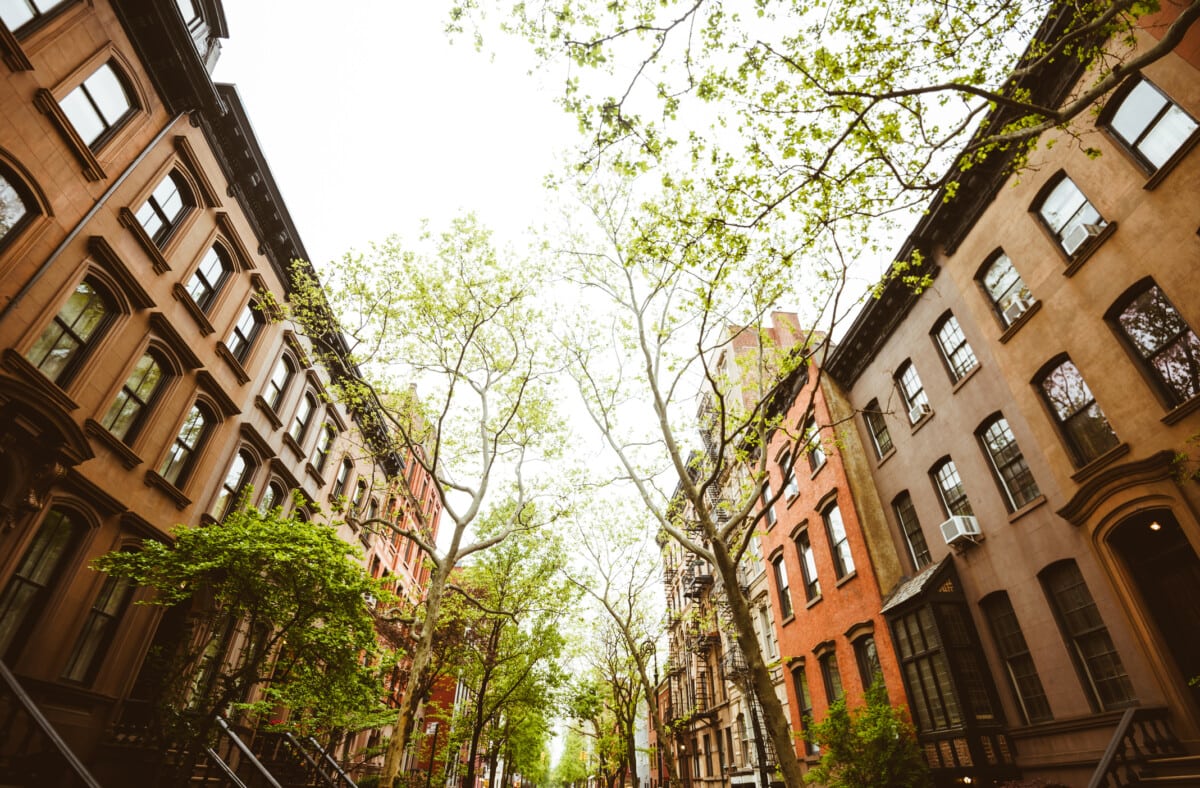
{"x":950,"y":485}
{"x":69,"y":331}
{"x":1151,"y":124}
{"x":133,"y":397}
{"x":31,"y":584}
{"x":12,"y":207}
{"x":1007,"y":290}
{"x":843,"y":561}
{"x":907,"y":515}
{"x":1167,"y":136}
{"x":957,"y":352}
{"x":878,"y":428}
{"x":82,"y":115}
{"x":1022,"y":672}
{"x":98,"y":630}
{"x":1165,"y":341}
{"x":1137,"y":111}
{"x":1086,"y":428}
{"x":1063,"y":204}
{"x":1016,"y":480}
{"x":15,"y":13}
{"x":108,"y":94}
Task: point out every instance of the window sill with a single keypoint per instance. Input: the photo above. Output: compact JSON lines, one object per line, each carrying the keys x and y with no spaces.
{"x":787,"y":620}
{"x":1120,"y":450}
{"x":1026,"y":509}
{"x":312,"y":471}
{"x":814,"y":601}
{"x":846,"y":579}
{"x":234,"y":363}
{"x":193,"y":309}
{"x":154,"y":479}
{"x":291,"y":443}
{"x":886,"y":456}
{"x":922,"y":422}
{"x":970,"y":373}
{"x":1015,"y":326}
{"x":1076,"y":261}
{"x":114,"y":444}
{"x":44,"y":100}
{"x":1182,"y":410}
{"x":14,"y":56}
{"x":157,"y":260}
{"x":817,"y":470}
{"x":268,"y":411}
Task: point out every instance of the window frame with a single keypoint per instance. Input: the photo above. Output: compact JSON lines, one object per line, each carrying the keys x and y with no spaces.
{"x":954,"y":505}
{"x":190,"y":452}
{"x":108,"y":128}
{"x":232,"y":488}
{"x":960,"y":360}
{"x":868,"y":671}
{"x":917,"y":398}
{"x":324,"y":447}
{"x":813,"y":450}
{"x":831,"y":677}
{"x":1074,"y":448}
{"x":209,"y":291}
{"x":876,"y":423}
{"x":1075,"y":219}
{"x":787,"y":471}
{"x":40,"y":17}
{"x":1001,"y":470}
{"x":342,"y":479}
{"x":99,"y":630}
{"x":1014,"y":653}
{"x":28,"y":201}
{"x":805,"y":706}
{"x":241,"y":337}
{"x":768,"y":505}
{"x":916,"y":556}
{"x":1164,"y":390}
{"x":783,"y":592}
{"x":808,"y":565}
{"x":85,"y":345}
{"x":144,"y":402}
{"x":168,"y":225}
{"x":1072,"y":636}
{"x":1132,"y":148}
{"x":839,"y":546}
{"x":1018,"y":290}
{"x":275,"y":399}
{"x":308,"y":405}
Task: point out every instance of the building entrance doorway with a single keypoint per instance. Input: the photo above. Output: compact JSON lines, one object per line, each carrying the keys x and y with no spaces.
{"x":1166,"y":571}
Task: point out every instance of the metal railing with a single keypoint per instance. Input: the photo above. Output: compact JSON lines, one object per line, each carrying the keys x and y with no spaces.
{"x":31,"y":751}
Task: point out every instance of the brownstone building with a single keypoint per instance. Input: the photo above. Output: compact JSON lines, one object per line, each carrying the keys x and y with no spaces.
{"x":1024,"y":416}
{"x":143,"y":383}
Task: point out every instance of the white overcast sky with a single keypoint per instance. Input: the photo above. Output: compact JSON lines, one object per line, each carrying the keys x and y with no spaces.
{"x":372,"y":119}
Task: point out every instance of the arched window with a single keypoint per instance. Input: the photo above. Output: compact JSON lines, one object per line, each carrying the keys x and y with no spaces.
{"x":1069,"y":216}
{"x":127,"y":413}
{"x":1161,"y":340}
{"x":866,"y":656}
{"x":165,"y":206}
{"x":278,"y":384}
{"x":342,"y":478}
{"x":956,"y":353}
{"x":304,"y":415}
{"x":32,"y":584}
{"x":324,"y":446}
{"x":16,"y":207}
{"x":1005,"y":289}
{"x":99,"y":105}
{"x":64,"y":343}
{"x":98,"y":630}
{"x":1149,"y":125}
{"x":244,"y":331}
{"x":17,"y":14}
{"x":236,"y":479}
{"x":906,"y":515}
{"x":831,"y":676}
{"x":1012,"y":472}
{"x":182,"y":454}
{"x":272,"y":497}
{"x":1080,"y":420}
{"x":950,"y":488}
{"x":912,"y":392}
{"x":208,"y":277}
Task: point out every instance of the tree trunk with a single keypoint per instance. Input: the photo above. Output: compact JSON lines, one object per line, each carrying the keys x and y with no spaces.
{"x":416,"y":677}
{"x":773,"y":715}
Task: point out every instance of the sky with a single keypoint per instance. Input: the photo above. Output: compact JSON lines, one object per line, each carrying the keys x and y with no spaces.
{"x":372,"y":119}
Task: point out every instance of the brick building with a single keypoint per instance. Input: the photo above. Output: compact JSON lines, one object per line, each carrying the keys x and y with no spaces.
{"x":142,"y":383}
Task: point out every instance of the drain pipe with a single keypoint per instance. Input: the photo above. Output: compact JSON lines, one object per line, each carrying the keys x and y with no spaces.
{"x":100,"y":203}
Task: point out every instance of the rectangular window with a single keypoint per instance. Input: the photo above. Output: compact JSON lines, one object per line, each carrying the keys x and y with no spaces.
{"x":926,"y":671}
{"x":1016,"y":480}
{"x":1070,"y":217}
{"x":1018,"y":662}
{"x":912,"y":392}
{"x":97,"y":633}
{"x":866,"y":656}
{"x":808,"y":566}
{"x":839,"y":542}
{"x":957,"y":354}
{"x":1090,"y":644}
{"x":768,"y":507}
{"x":804,"y":702}
{"x":1079,"y":417}
{"x":832,"y":677}
{"x":906,"y":514}
{"x":791,"y":487}
{"x":950,"y":489}
{"x":812,"y":445}
{"x":881,"y":439}
{"x":781,"y":582}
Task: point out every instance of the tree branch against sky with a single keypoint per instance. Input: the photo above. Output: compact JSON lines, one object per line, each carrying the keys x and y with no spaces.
{"x":450,"y":341}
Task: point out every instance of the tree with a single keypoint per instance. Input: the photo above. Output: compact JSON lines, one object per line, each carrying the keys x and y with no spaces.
{"x":452,"y":318}
{"x":874,"y":744}
{"x":572,"y":766}
{"x":280,"y":622}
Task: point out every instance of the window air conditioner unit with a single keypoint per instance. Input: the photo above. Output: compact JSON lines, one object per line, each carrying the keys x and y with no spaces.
{"x":1016,"y":309}
{"x":1079,"y":235}
{"x":370,"y":600}
{"x":918,"y":412}
{"x":960,"y":528}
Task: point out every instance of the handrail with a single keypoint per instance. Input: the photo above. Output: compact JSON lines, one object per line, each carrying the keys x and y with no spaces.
{"x":336,"y":766}
{"x":1115,"y":745}
{"x":299,"y":748}
{"x":220,"y":762}
{"x":49,"y":730}
{"x":245,"y":751}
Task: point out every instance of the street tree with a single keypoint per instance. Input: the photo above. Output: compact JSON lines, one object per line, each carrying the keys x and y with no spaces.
{"x":279,"y":620}
{"x":617,"y":570}
{"x":452,"y":319}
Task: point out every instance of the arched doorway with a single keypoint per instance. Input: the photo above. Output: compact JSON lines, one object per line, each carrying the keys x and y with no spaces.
{"x":1166,"y":574}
